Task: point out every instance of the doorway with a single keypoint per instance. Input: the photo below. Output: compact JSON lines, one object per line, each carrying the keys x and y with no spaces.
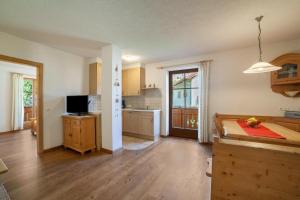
{"x":183,"y":103}
{"x":38,"y":90}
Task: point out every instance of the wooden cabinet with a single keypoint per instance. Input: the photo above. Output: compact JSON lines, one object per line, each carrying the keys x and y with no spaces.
{"x":133,"y":79}
{"x":79,"y":132}
{"x":130,"y":120}
{"x":124,"y":82}
{"x":95,"y":72}
{"x":146,"y":124}
{"x":143,"y":124}
{"x":287,"y":80}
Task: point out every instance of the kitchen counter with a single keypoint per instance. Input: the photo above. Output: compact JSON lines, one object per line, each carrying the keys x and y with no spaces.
{"x":141,"y":123}
{"x":140,"y":110}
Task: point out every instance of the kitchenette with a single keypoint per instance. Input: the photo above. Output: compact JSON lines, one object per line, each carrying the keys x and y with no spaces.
{"x":141,"y":103}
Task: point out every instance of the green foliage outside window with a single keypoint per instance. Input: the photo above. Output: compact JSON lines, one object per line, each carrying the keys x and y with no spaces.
{"x":28,"y":96}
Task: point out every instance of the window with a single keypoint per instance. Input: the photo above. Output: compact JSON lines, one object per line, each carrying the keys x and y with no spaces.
{"x":28,"y":93}
{"x":179,"y":94}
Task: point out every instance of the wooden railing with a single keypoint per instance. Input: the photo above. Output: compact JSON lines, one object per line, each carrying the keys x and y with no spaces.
{"x":28,"y":114}
{"x":185,"y":118}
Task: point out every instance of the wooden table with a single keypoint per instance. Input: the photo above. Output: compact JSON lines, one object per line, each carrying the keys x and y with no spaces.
{"x":3,"y":167}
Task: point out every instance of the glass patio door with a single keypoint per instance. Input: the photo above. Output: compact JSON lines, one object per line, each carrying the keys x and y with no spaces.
{"x":183,"y":93}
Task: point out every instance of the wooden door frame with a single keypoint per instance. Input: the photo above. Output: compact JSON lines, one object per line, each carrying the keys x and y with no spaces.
{"x":175,"y":133}
{"x":40,"y":119}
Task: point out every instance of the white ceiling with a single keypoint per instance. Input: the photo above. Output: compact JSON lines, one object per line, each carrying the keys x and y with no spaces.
{"x":156,"y":30}
{"x":18,"y":68}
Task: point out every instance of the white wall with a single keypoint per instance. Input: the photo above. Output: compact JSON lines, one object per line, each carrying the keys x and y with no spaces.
{"x":5,"y":105}
{"x":111,"y":98}
{"x":64,"y":74}
{"x":231,"y":91}
{"x":6,"y":70}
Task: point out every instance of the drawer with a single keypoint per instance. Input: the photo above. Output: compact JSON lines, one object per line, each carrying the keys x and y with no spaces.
{"x":146,"y":114}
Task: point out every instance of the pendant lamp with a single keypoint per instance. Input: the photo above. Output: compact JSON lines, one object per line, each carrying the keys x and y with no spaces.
{"x":260,"y":67}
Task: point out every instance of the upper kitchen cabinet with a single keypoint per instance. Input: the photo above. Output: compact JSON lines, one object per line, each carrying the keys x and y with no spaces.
{"x":287,"y":80}
{"x":133,"y":79}
{"x":95,"y":78}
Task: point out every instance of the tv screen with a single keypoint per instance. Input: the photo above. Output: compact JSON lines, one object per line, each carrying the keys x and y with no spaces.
{"x":77,"y":104}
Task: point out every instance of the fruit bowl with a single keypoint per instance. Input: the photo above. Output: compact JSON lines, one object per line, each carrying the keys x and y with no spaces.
{"x":253,"y":122}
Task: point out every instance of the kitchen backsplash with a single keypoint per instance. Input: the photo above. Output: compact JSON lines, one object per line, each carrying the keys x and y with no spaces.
{"x":95,"y":103}
{"x":151,"y":98}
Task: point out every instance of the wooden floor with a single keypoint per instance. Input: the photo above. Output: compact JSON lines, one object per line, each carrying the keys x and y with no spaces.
{"x":170,"y":169}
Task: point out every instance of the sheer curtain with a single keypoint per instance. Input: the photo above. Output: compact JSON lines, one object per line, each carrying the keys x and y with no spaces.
{"x":203,"y":129}
{"x":17,"y":102}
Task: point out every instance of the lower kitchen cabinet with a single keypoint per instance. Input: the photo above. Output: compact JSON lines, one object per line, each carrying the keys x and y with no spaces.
{"x":143,"y":124}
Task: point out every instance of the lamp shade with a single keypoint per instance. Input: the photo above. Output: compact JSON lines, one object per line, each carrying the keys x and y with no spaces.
{"x":261,"y":67}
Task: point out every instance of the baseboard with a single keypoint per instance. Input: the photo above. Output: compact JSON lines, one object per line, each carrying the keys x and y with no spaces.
{"x":6,"y":132}
{"x":164,"y":136}
{"x":14,"y":131}
{"x":106,"y":150}
{"x":146,"y":137}
{"x":53,"y":149}
{"x":112,"y":152}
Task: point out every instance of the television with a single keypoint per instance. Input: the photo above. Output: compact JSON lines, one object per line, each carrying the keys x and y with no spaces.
{"x":78,"y":104}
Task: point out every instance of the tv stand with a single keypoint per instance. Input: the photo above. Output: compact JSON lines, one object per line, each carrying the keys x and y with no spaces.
{"x":80,"y":132}
{"x":78,"y":114}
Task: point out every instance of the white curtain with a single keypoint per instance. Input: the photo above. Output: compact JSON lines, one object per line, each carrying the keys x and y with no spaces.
{"x":17,"y":102}
{"x":203,"y":127}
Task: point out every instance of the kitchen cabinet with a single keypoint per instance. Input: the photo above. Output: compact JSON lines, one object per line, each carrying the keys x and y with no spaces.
{"x":133,"y":79}
{"x":95,"y":71}
{"x":287,"y":80}
{"x":142,"y":124}
{"x":130,"y":120}
{"x":146,"y":124}
{"x":79,"y":132}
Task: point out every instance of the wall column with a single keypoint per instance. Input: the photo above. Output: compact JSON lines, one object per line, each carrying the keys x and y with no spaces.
{"x":111,"y":98}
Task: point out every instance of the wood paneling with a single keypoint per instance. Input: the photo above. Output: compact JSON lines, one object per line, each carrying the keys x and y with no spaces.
{"x":253,"y":171}
{"x":170,"y":169}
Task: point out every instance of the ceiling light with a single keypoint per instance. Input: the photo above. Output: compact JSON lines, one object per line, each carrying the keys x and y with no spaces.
{"x":130,"y":57}
{"x":260,"y":67}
